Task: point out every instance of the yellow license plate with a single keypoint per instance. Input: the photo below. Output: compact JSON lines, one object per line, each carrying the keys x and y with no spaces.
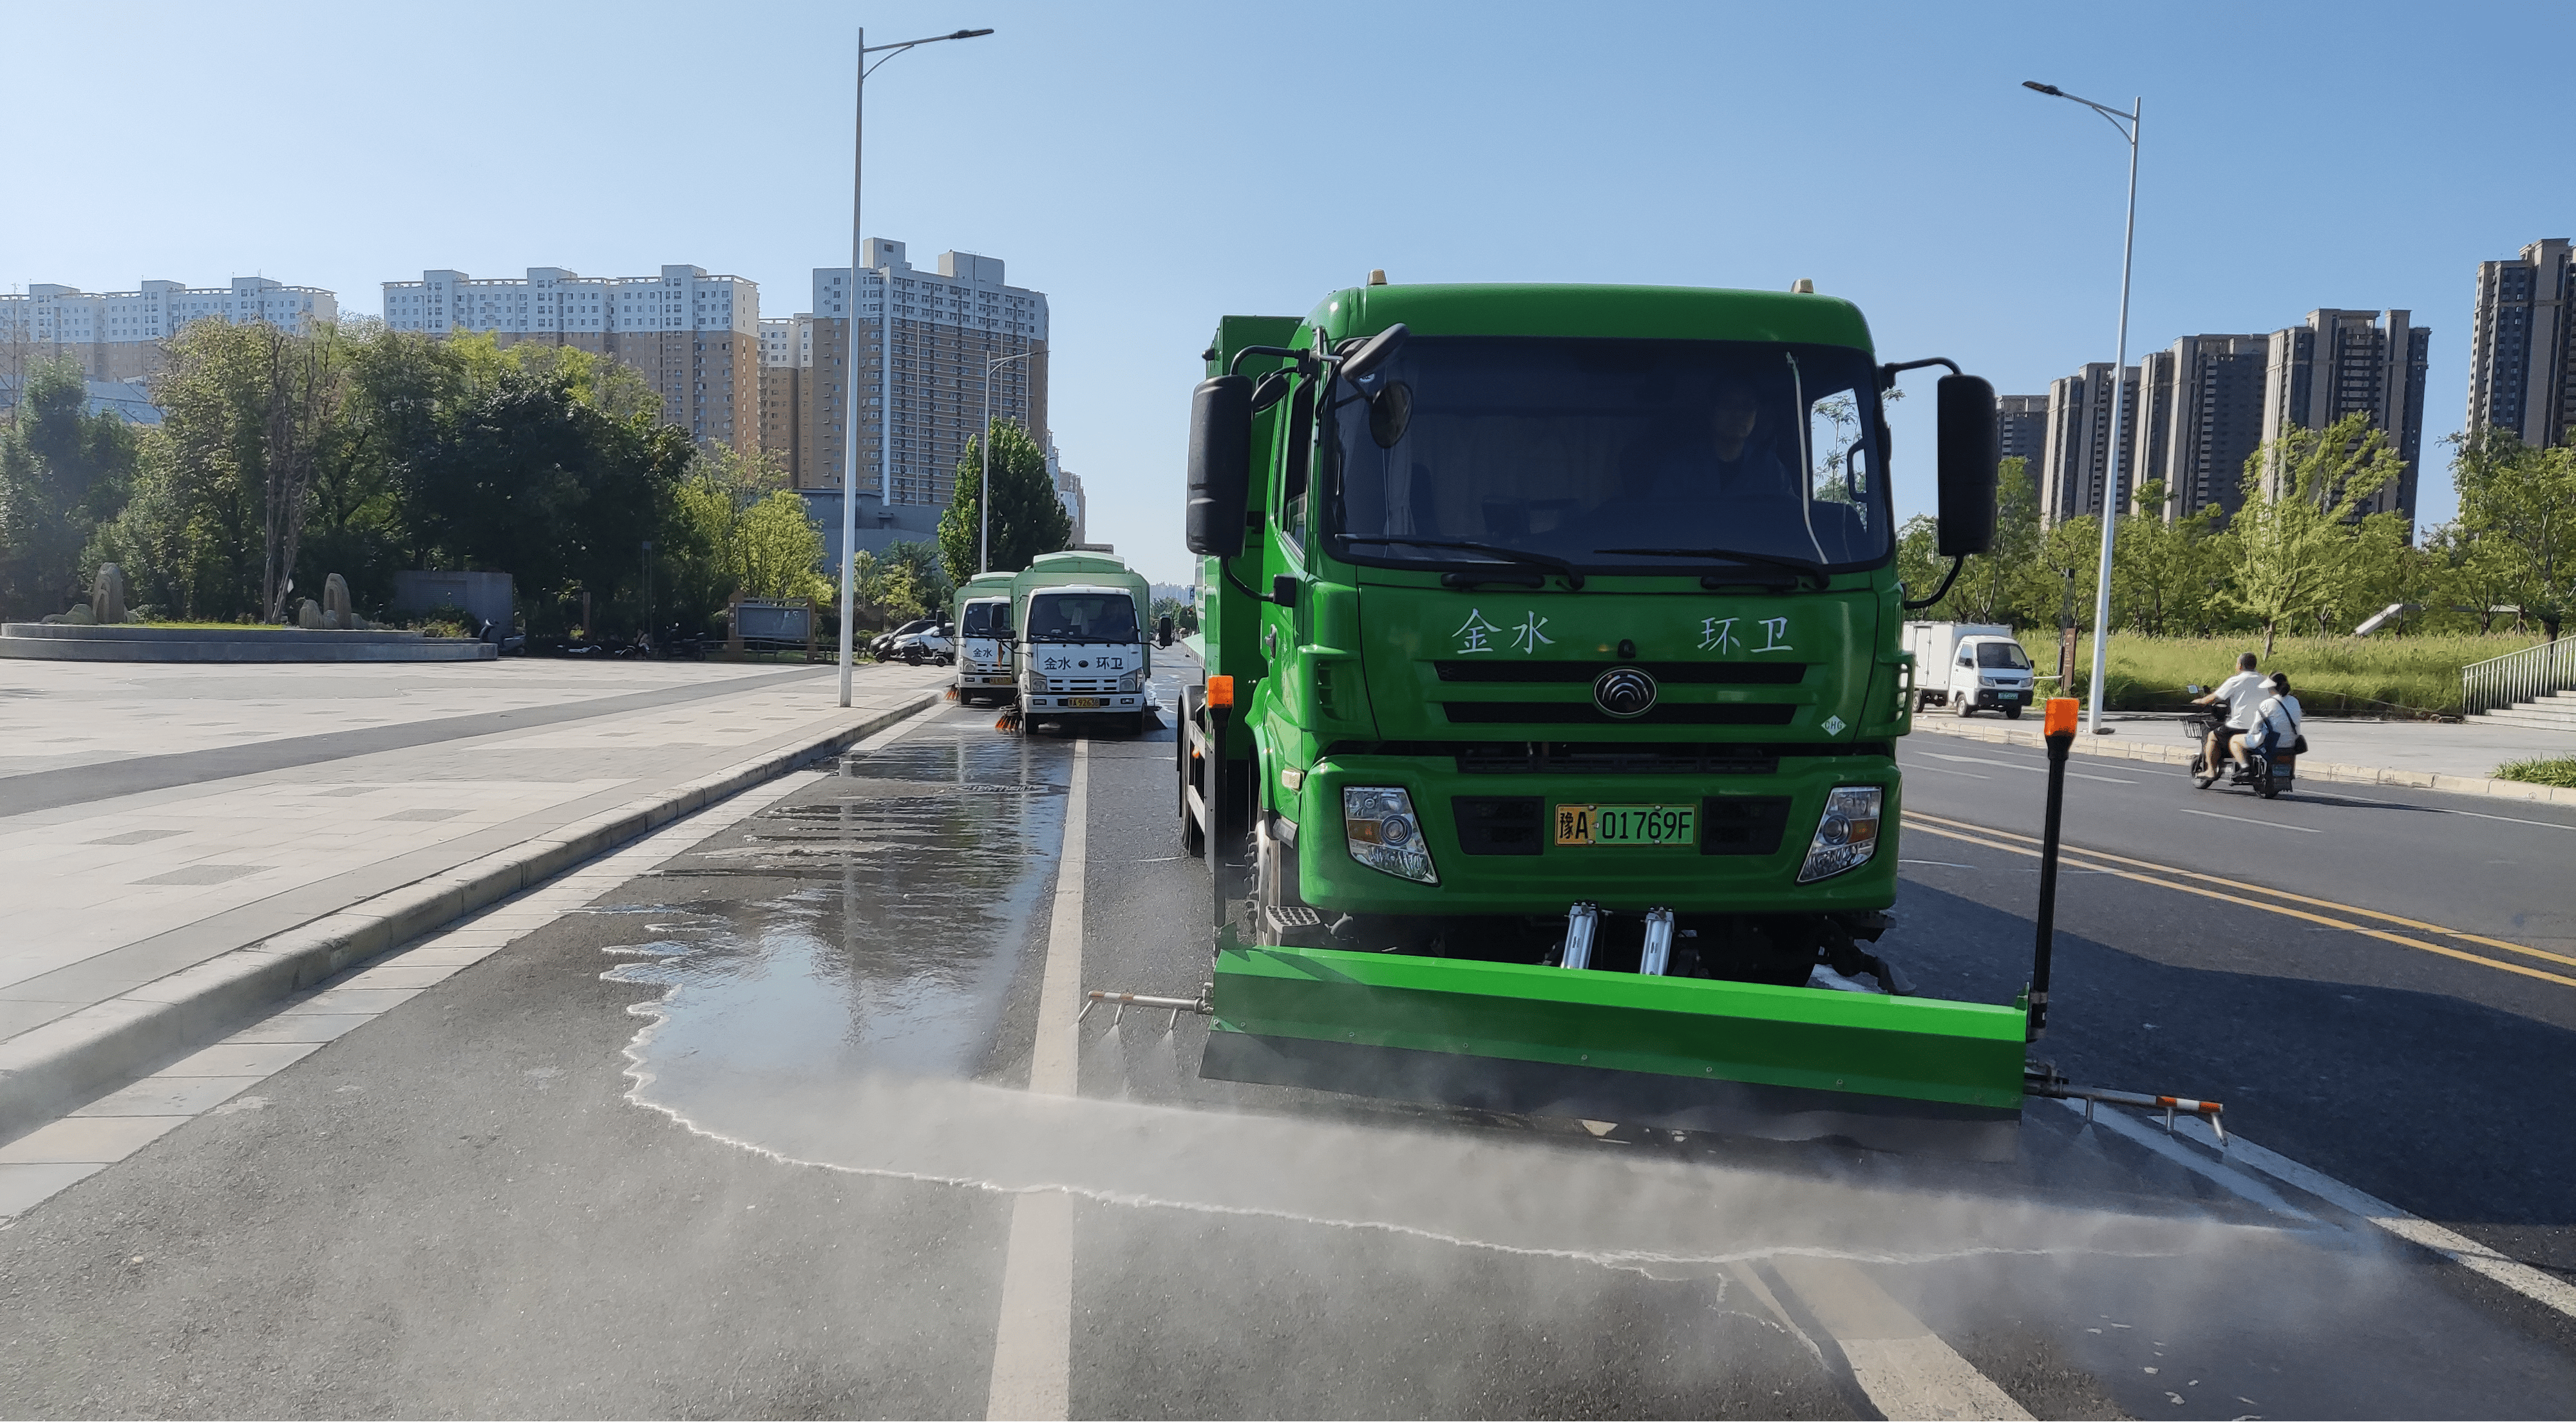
{"x":1627,"y":824}
{"x":1083,"y":703}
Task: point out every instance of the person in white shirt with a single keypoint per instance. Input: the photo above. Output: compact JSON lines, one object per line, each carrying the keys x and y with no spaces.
{"x":2276,"y":722}
{"x":2243,"y":693}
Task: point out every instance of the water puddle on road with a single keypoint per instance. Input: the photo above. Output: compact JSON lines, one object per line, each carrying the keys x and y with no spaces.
{"x":837,"y":1010}
{"x":873,"y":927}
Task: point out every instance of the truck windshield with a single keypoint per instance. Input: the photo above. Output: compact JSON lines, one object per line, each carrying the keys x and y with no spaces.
{"x":1082,"y":617}
{"x":1615,"y":455}
{"x":984,"y":619}
{"x":2002,"y":654}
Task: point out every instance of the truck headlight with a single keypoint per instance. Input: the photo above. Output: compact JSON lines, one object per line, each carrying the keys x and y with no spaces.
{"x":1846,"y":834}
{"x":1383,"y":833}
{"x":1132,"y":682}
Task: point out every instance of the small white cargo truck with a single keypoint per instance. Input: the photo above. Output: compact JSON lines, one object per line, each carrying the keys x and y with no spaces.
{"x":1969,"y":667}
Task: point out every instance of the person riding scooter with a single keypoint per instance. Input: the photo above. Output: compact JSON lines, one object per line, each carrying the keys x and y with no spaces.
{"x":2243,"y":693}
{"x":2276,"y":726}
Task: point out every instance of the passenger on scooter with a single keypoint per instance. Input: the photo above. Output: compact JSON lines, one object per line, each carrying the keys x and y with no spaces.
{"x":2243,"y":693}
{"x":2276,"y":722}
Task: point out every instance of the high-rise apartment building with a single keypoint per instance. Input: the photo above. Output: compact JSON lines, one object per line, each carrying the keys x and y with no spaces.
{"x":786,"y":393}
{"x":2522,"y":371}
{"x":947,"y":324}
{"x":2085,"y":417}
{"x":2346,"y":362}
{"x":2202,"y":419}
{"x":2021,"y":430}
{"x":694,"y":337}
{"x":117,"y":335}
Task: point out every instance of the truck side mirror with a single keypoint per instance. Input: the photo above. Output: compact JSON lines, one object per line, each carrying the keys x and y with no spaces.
{"x":1220,"y":478}
{"x":1969,"y":456}
{"x":1374,"y":352}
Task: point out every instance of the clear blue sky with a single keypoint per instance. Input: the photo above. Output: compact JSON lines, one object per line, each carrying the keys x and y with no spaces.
{"x":1151,"y":167}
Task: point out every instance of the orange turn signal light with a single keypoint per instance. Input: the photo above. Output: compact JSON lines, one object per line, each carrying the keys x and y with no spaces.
{"x":2061,"y":716}
{"x":1220,"y":693}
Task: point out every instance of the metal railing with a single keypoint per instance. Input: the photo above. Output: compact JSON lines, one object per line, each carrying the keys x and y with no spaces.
{"x":2519,"y":676}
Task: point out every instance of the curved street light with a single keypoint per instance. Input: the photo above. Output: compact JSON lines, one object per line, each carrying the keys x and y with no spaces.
{"x":984,"y":500}
{"x":885,"y":328}
{"x":2127,"y":124}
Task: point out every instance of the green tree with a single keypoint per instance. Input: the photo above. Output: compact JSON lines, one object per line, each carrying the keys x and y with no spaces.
{"x":63,"y":473}
{"x":2520,"y":504}
{"x":1989,"y":585}
{"x":779,"y":552}
{"x":1028,"y":518}
{"x":930,"y":581}
{"x":2162,"y":572}
{"x":2300,"y":521}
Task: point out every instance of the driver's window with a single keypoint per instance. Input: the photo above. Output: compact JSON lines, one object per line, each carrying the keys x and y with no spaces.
{"x":1839,"y":473}
{"x":1293,"y":473}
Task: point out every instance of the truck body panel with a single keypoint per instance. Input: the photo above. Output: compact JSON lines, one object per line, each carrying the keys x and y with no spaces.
{"x":1970,"y":667}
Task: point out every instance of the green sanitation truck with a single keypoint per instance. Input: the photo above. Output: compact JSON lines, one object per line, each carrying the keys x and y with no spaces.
{"x":1081,"y":646}
{"x":1545,"y":759}
{"x":982,"y":614}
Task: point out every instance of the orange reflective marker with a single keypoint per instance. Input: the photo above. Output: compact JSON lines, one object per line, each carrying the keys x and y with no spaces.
{"x":1220,"y":693}
{"x":2061,"y":716}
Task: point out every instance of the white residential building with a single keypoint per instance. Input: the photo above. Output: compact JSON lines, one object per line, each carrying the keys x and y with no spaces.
{"x":695,"y":337}
{"x":116,"y":335}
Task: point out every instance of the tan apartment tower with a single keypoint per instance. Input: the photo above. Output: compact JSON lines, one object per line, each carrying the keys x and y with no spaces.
{"x":2203,"y":419}
{"x":694,"y":337}
{"x":2346,"y":362}
{"x":2085,"y":417}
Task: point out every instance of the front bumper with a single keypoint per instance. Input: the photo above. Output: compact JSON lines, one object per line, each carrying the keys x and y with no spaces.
{"x":2002,"y":696}
{"x":1101,"y":703}
{"x":1679,"y":877}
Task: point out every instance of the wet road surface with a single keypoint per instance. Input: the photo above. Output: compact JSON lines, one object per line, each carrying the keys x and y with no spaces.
{"x":749,"y":1136}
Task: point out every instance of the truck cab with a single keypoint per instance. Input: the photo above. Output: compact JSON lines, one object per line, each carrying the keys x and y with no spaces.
{"x":982,"y":616}
{"x":1081,"y":650}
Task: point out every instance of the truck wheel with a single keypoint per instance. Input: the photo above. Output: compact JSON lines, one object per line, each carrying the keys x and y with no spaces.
{"x":2013,"y":712}
{"x":1967,"y":702}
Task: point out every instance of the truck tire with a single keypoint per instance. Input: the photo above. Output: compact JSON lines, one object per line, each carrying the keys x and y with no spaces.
{"x":1967,"y":702}
{"x":2013,"y":712}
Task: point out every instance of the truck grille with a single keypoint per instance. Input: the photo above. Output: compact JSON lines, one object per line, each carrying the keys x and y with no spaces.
{"x":1742,"y":824}
{"x":1584,"y":713}
{"x":1080,"y":685}
{"x":1499,"y":824}
{"x":1615,"y":758}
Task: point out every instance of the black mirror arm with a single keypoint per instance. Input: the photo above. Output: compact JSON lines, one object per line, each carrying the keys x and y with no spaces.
{"x":1952,"y":576}
{"x":1887,"y":373}
{"x":1305,"y":360}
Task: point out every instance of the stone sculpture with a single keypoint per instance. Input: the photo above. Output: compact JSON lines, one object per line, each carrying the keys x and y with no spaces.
{"x":107,"y":595}
{"x":308,"y":615}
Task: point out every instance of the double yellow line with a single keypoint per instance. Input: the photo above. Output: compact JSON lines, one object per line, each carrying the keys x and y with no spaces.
{"x":2246,"y":895}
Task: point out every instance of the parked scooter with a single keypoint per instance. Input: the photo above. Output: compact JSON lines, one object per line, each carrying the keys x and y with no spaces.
{"x":2266,"y":773}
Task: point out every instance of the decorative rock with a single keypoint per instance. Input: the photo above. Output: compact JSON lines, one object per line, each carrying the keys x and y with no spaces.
{"x":308,"y":615}
{"x":337,"y":611}
{"x":107,"y":595}
{"x":79,"y":616}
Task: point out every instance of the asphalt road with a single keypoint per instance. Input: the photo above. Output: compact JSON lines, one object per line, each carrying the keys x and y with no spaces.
{"x":751,"y":1136}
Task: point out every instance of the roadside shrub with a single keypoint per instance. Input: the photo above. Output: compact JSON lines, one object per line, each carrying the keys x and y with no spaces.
{"x":2558,"y":770}
{"x":2409,"y":676}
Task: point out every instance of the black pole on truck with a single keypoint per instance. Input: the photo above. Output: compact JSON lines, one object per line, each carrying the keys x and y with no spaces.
{"x":2060,"y":730}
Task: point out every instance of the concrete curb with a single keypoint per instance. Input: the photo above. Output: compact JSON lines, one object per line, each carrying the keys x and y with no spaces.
{"x":48,"y":1068}
{"x":2109,"y":748}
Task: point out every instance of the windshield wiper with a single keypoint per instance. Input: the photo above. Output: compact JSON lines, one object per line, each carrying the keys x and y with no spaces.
{"x":1799,"y":566}
{"x":1573,"y":574}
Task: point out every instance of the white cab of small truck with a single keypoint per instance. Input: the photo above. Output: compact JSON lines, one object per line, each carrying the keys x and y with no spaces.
{"x":1969,"y":667}
{"x":984,"y":650}
{"x":1082,"y":651}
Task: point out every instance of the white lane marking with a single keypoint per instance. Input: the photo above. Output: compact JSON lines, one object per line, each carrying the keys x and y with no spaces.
{"x":2316,"y":799}
{"x":1905,"y":1369}
{"x":2017,"y":765}
{"x":1970,"y":774}
{"x":2540,"y":1287}
{"x":1033,"y":1345}
{"x":1944,"y":863}
{"x":2240,"y":819}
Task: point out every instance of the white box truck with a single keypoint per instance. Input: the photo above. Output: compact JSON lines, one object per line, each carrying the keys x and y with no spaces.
{"x":1080,"y":623}
{"x":1969,"y":667}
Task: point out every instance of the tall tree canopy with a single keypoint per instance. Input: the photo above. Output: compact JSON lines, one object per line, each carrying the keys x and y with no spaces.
{"x":63,"y":472}
{"x":1028,"y":518}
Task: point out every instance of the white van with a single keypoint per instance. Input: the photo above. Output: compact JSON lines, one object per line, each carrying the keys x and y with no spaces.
{"x":1969,"y":667}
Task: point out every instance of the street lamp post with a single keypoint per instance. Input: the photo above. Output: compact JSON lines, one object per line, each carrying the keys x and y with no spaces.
{"x":984,"y":500}
{"x":850,"y":347}
{"x":2127,"y":124}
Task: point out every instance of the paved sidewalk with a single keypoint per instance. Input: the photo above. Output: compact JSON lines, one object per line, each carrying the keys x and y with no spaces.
{"x":2460,"y":759}
{"x":107,"y":891}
